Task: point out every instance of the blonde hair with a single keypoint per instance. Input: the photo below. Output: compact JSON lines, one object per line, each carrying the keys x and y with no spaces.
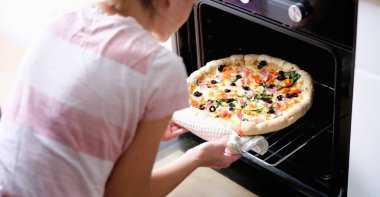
{"x":120,"y":5}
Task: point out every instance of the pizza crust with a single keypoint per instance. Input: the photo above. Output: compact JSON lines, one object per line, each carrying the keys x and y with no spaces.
{"x":287,"y":118}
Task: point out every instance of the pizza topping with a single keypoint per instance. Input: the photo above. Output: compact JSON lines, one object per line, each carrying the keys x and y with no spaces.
{"x":251,"y":93}
{"x":223,"y":113}
{"x":291,"y":95}
{"x":279,"y":97}
{"x":197,"y":94}
{"x":246,"y":88}
{"x":212,"y":109}
{"x":221,"y":67}
{"x":268,"y":100}
{"x":271,"y":110}
{"x":262,"y":64}
{"x":293,"y":75}
{"x":282,"y":75}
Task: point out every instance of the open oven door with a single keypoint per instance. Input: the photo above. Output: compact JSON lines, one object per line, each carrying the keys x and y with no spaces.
{"x":309,"y":157}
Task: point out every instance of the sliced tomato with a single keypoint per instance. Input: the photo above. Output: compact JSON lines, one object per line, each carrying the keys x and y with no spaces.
{"x":296,"y":91}
{"x":288,"y":82}
{"x":270,"y":81}
{"x":274,"y":73}
{"x":285,"y":90}
{"x":223,"y":113}
{"x":194,"y":103}
{"x":259,"y":81}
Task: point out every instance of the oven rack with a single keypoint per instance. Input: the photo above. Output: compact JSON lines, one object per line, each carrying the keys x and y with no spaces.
{"x":284,"y":143}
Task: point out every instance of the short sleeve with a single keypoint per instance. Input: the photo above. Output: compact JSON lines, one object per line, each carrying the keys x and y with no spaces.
{"x":166,"y":86}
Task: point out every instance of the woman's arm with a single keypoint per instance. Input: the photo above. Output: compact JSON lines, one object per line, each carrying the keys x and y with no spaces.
{"x":132,"y":173}
{"x":209,"y":154}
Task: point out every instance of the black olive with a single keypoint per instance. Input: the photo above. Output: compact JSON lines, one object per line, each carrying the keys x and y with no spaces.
{"x":213,"y":82}
{"x":246,"y":88}
{"x":212,"y":109}
{"x":202,"y":107}
{"x":220,"y":68}
{"x":233,"y":84}
{"x":268,"y":100}
{"x":262,"y":64}
{"x":238,"y":76}
{"x":271,"y":111}
{"x":279,"y":97}
{"x":288,"y":95}
{"x":295,"y":95}
{"x":231,"y":105}
{"x":271,"y":86}
{"x":229,"y":100}
{"x":227,"y":90}
{"x":231,"y":109}
{"x":282,"y":73}
{"x":245,"y":119}
{"x":281,"y":78}
{"x":197,"y":94}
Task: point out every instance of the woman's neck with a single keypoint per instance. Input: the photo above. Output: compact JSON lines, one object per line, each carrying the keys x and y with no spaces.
{"x":133,"y":9}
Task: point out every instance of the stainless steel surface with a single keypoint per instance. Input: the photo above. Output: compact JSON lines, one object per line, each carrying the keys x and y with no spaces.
{"x":295,"y":12}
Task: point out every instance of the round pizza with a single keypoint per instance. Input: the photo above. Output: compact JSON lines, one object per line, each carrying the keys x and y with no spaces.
{"x":252,"y":94}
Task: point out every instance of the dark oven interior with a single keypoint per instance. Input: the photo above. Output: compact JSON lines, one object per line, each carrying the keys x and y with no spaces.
{"x":311,"y":156}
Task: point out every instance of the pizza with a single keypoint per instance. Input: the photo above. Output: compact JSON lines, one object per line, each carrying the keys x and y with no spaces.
{"x":252,"y":94}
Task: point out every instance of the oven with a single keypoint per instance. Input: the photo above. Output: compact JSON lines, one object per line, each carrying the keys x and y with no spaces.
{"x":309,"y":158}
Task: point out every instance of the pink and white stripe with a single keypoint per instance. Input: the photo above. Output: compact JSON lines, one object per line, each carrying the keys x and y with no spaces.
{"x":82,"y":93}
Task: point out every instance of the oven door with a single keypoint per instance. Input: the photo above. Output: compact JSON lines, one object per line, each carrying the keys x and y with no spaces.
{"x":309,"y":157}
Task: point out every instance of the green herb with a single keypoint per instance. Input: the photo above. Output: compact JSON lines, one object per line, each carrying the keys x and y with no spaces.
{"x":256,"y":98}
{"x":263,"y":95}
{"x":218,"y":103}
{"x":244,"y":104}
{"x":257,"y":110}
{"x":198,"y":82}
{"x":265,"y":85}
{"x":293,"y":75}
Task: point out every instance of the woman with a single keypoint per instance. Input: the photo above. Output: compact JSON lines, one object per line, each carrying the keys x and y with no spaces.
{"x":93,"y":102}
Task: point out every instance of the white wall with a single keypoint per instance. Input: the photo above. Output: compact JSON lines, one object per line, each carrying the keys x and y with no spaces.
{"x":21,"y":20}
{"x":364,"y":169}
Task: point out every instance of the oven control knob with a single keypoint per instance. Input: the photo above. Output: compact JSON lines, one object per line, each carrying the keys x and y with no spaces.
{"x":299,"y":11}
{"x":245,"y":1}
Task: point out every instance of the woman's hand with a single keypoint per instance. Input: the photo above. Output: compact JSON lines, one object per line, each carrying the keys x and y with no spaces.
{"x":214,"y":154}
{"x":173,"y":130}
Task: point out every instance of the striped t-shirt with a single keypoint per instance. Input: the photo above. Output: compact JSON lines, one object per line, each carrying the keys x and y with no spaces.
{"x":82,"y":92}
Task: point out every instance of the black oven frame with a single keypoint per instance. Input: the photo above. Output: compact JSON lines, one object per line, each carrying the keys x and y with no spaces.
{"x":191,"y":41}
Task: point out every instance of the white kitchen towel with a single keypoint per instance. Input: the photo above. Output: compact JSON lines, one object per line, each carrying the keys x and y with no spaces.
{"x":209,"y":130}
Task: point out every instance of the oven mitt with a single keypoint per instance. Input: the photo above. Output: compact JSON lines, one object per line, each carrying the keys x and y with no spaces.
{"x":209,"y":131}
